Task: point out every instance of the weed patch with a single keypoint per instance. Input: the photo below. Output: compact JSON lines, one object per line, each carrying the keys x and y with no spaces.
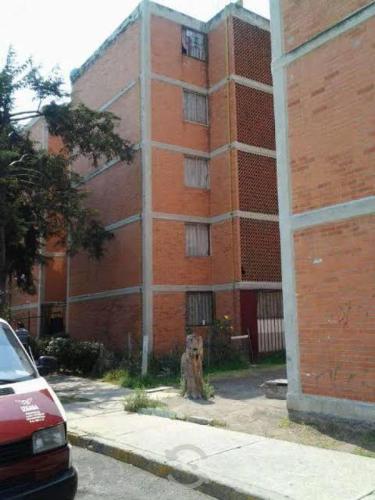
{"x":140,"y":400}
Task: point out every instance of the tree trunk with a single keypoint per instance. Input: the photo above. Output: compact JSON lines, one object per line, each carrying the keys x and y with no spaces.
{"x":192,"y":367}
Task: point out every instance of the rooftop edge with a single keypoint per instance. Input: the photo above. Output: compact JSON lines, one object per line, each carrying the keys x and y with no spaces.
{"x":233,"y":9}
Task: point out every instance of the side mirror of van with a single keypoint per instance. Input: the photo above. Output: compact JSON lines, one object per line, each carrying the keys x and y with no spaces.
{"x":46,"y":365}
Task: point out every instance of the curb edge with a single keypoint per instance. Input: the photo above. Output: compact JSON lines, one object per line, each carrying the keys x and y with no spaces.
{"x":160,"y":468}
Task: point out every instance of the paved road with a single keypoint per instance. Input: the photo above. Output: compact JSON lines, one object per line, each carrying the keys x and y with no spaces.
{"x":103,"y":477}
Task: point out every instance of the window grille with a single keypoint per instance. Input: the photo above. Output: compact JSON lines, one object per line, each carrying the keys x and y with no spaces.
{"x":195,"y":107}
{"x":194,"y":44}
{"x":199,"y":308}
{"x":196,"y":172}
{"x":197,"y":239}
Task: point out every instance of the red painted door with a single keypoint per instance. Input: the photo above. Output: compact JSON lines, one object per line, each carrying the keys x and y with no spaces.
{"x":248,"y":301}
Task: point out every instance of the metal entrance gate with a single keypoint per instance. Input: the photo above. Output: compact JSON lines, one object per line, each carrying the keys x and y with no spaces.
{"x":270,"y":321}
{"x":262,"y":320}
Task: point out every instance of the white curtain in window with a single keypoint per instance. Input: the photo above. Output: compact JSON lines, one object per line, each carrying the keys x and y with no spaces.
{"x":199,"y":308}
{"x":194,"y":44}
{"x":196,"y":172}
{"x":197,"y":238}
{"x":195,"y":107}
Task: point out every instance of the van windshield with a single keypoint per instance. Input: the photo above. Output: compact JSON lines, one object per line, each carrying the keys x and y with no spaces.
{"x":15,"y":365}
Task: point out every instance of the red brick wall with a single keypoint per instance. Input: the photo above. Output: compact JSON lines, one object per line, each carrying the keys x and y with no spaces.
{"x":225,"y":251}
{"x":116,"y":195}
{"x":227,"y":303}
{"x":220,"y":124}
{"x":169,"y":322}
{"x":171,"y":266}
{"x":119,"y":267}
{"x":218,"y":63}
{"x":111,"y":186}
{"x":170,"y":194}
{"x":107,"y":320}
{"x":127,"y":108}
{"x":303,"y":20}
{"x":335,"y":276}
{"x":331,"y":98}
{"x":223,"y":183}
{"x":260,"y":250}
{"x":55,"y":280}
{"x":166,"y":54}
{"x":110,"y":73}
{"x":255,"y":121}
{"x":252,"y":52}
{"x":257,"y":183}
{"x":168,"y":124}
{"x":170,"y":313}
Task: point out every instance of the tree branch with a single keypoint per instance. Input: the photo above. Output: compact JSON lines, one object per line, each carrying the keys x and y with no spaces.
{"x":20,"y":118}
{"x":24,"y":112}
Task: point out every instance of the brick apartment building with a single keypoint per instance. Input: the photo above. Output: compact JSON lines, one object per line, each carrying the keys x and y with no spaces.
{"x":195,"y":215}
{"x":323,"y":69}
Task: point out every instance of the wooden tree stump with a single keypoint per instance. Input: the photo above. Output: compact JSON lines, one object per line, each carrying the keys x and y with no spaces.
{"x":192,"y":367}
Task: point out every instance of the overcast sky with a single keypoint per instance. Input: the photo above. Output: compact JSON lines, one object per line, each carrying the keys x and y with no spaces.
{"x":66,"y":32}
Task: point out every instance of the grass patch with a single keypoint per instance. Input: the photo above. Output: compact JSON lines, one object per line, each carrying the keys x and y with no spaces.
{"x":364,"y":453}
{"x":285,"y":423}
{"x":218,"y":423}
{"x":114,"y":376}
{"x":208,"y":390}
{"x":140,"y":399}
{"x":123,"y":378}
{"x":276,"y":358}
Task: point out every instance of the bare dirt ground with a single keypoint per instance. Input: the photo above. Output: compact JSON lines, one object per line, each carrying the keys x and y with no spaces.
{"x":240,"y":405}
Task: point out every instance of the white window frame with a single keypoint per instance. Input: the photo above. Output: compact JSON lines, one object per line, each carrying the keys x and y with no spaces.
{"x":200,"y":163}
{"x":189,"y":113}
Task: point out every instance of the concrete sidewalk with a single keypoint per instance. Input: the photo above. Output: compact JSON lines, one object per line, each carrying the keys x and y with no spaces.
{"x":221,"y":463}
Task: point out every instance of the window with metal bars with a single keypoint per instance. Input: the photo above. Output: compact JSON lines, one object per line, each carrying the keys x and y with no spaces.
{"x":199,"y":308}
{"x":194,"y":44}
{"x":196,"y":172}
{"x":195,"y":107}
{"x":197,"y":240}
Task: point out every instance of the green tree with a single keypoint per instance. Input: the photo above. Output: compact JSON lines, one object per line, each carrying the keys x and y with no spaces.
{"x":40,"y":197}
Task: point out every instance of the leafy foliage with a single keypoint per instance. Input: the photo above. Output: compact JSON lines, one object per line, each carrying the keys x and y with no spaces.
{"x":71,"y":355}
{"x":40,"y":197}
{"x":219,"y":345}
